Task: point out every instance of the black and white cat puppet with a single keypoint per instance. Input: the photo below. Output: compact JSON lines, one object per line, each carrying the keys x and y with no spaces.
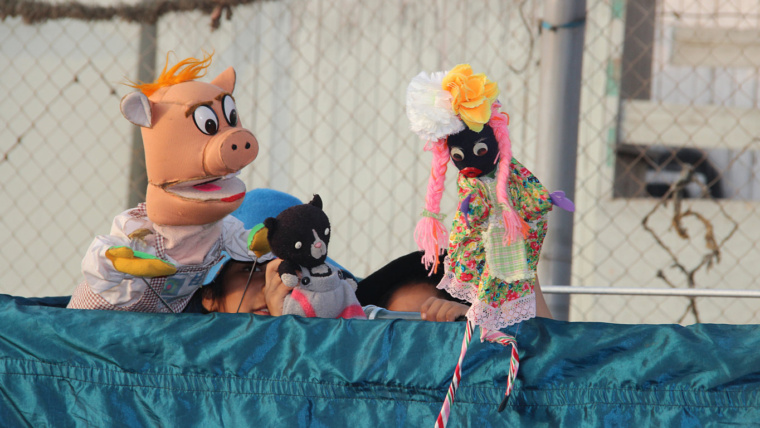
{"x":299,"y":235}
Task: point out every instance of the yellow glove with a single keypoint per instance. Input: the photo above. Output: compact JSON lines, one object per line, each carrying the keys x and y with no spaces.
{"x":257,"y":240}
{"x":137,"y":263}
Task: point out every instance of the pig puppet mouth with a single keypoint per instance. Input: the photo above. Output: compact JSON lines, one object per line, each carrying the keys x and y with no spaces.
{"x":227,"y":188}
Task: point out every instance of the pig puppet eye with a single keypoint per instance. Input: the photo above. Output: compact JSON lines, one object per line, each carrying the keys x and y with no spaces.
{"x":230,"y":111}
{"x":206,"y":120}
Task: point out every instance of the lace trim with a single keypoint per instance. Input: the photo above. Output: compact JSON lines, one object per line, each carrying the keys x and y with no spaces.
{"x":483,"y":314}
{"x":488,"y":317}
{"x":450,"y":284}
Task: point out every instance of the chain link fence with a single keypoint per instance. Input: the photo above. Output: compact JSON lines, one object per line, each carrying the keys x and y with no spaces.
{"x":666,"y":140}
{"x":668,"y":159}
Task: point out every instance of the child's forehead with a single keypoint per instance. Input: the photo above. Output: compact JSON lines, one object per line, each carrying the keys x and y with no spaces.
{"x":224,"y":265}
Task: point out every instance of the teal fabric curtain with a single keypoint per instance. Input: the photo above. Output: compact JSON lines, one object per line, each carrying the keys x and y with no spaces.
{"x":68,"y":368}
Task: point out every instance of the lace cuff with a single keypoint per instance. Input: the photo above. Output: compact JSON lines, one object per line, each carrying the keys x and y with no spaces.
{"x":483,"y":314}
{"x":488,"y":317}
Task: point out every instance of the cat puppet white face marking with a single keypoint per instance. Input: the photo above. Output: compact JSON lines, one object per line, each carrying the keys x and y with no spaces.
{"x":318,"y":247}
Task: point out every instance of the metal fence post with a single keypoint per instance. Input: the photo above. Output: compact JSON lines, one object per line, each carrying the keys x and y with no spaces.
{"x":558,"y":110}
{"x":146,"y":70}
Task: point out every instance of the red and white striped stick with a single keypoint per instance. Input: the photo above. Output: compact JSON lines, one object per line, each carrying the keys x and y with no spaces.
{"x":514,"y":361}
{"x":443,"y":416}
{"x":514,"y":365}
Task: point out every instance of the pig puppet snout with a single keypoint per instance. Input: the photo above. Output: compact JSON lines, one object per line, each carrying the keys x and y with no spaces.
{"x":229,"y":151}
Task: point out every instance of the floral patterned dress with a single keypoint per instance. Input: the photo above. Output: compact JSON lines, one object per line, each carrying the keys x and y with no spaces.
{"x":497,"y":279}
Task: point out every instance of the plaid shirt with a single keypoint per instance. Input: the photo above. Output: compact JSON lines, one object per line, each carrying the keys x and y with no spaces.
{"x":106,"y":288}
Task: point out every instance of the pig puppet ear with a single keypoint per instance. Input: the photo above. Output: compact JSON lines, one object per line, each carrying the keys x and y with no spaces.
{"x":226,"y":80}
{"x":135,"y":107}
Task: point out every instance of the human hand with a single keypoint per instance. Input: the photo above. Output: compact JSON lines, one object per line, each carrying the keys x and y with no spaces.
{"x":275,"y":291}
{"x":437,"y":309}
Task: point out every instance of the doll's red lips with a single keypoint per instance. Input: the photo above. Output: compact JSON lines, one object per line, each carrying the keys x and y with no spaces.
{"x":233,"y":198}
{"x":471,"y":172}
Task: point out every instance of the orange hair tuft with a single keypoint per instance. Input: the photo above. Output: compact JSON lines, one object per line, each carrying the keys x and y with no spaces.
{"x":187,"y":69}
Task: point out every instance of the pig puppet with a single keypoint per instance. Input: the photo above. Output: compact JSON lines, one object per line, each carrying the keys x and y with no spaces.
{"x":158,"y":254}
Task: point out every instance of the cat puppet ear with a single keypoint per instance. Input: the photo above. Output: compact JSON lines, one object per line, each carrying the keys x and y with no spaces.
{"x":316,"y":201}
{"x":135,"y":107}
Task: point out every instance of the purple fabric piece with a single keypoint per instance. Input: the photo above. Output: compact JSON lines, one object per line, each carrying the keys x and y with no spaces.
{"x":559,"y":199}
{"x":465,"y":208}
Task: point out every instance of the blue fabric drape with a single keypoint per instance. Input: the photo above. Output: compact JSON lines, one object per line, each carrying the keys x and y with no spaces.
{"x":61,"y":367}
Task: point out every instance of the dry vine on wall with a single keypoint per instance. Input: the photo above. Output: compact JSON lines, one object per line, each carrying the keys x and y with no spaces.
{"x":712,"y":254}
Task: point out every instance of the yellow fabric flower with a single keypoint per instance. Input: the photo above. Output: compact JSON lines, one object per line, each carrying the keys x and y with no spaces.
{"x":471,"y":95}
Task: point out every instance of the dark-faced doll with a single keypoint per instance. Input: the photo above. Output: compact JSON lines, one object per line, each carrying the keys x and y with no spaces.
{"x":500,"y":224}
{"x":498,"y":230}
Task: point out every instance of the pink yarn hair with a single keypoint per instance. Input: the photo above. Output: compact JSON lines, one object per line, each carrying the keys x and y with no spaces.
{"x":430,"y":234}
{"x":513,"y":223}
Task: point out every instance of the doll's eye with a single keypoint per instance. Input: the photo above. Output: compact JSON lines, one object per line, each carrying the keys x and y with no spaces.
{"x":206,"y":120}
{"x":298,"y":245}
{"x":327,"y":231}
{"x":480,"y":148}
{"x":230,"y":111}
{"x":457,"y":154}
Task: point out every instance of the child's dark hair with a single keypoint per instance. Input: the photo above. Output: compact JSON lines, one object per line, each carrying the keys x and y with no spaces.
{"x":377,"y":288}
{"x":214,"y":290}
